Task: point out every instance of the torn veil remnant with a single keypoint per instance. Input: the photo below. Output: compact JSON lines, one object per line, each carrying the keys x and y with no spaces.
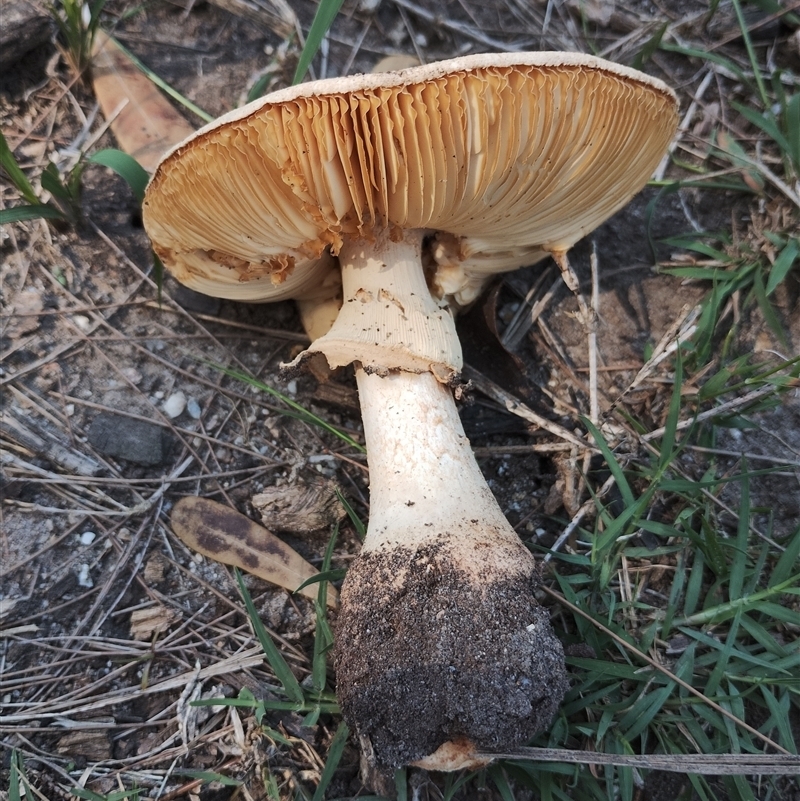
{"x":415,"y":187}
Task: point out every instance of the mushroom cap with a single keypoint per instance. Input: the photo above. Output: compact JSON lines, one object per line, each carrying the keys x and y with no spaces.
{"x":505,"y":157}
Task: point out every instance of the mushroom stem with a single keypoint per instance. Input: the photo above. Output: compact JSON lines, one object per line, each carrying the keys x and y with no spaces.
{"x":424,"y":480}
{"x":442,"y":649}
{"x":389,"y":319}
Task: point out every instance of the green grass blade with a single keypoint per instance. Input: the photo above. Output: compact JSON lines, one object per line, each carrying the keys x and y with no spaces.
{"x":39,"y":211}
{"x":723,"y":658}
{"x":292,"y":688}
{"x":295,"y":409}
{"x":323,"y":636}
{"x":332,"y":762}
{"x":15,"y":791}
{"x":501,"y":783}
{"x":787,"y":562}
{"x":780,"y":715}
{"x":767,"y":310}
{"x":15,"y":173}
{"x":52,"y":183}
{"x":787,"y":259}
{"x":401,"y":784}
{"x":739,"y":560}
{"x":766,"y":123}
{"x":673,"y":416}
{"x":650,"y":47}
{"x":359,"y":526}
{"x":165,"y":87}
{"x":611,"y":460}
{"x":126,"y":166}
{"x":757,"y":602}
{"x":692,"y":597}
{"x":762,"y":90}
{"x":323,"y":19}
{"x":792,"y":127}
{"x":323,"y":576}
{"x":704,"y":56}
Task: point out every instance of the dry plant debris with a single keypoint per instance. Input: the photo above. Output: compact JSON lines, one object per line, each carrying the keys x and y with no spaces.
{"x":672,"y":525}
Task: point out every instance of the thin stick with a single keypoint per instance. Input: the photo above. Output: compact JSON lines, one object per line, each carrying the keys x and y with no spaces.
{"x":728,"y":406}
{"x":578,"y":516}
{"x":704,"y":764}
{"x":594,"y":404}
{"x":518,"y":408}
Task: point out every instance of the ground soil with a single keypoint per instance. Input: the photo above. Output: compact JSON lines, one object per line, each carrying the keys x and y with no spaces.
{"x":86,"y":540}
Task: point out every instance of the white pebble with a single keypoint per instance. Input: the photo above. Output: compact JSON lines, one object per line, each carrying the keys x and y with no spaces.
{"x":84,"y":323}
{"x":132,"y":374}
{"x":291,"y":387}
{"x":174,"y":405}
{"x":193,"y":407}
{"x":84,"y":579}
{"x":88,"y":537}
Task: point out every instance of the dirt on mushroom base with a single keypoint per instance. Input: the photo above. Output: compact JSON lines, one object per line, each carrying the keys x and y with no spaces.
{"x":90,"y":273}
{"x":485,"y":664}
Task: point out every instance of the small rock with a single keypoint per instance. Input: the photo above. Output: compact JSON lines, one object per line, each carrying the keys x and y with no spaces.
{"x":193,"y":407}
{"x":84,"y":579}
{"x":132,"y":375}
{"x":88,"y":537}
{"x":26,"y":26}
{"x":174,"y":405}
{"x":135,"y":441}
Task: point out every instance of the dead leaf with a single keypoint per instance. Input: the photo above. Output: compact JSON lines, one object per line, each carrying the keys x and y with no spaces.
{"x":87,"y":742}
{"x":143,"y":121}
{"x":309,"y":506}
{"x":229,"y":537}
{"x":23,"y":316}
{"x":152,"y":620}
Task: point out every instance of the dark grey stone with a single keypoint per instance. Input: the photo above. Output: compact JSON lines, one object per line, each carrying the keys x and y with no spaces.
{"x":133,"y":440}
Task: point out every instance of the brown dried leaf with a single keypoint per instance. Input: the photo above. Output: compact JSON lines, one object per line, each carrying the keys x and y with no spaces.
{"x":223,"y":534}
{"x":310,"y":506}
{"x":152,"y":620}
{"x":143,"y":121}
{"x":91,"y":743}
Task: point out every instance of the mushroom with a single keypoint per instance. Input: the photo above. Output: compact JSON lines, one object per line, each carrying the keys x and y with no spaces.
{"x":416,"y":186}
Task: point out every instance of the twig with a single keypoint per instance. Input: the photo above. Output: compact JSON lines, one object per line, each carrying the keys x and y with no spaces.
{"x":728,"y":406}
{"x":702,"y":764}
{"x":463,"y":30}
{"x":658,"y":175}
{"x":578,"y":516}
{"x":515,"y":406}
{"x":252,"y":657}
{"x":594,"y":404}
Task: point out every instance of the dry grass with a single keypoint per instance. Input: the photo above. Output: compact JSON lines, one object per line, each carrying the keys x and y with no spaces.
{"x":671,"y":565}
